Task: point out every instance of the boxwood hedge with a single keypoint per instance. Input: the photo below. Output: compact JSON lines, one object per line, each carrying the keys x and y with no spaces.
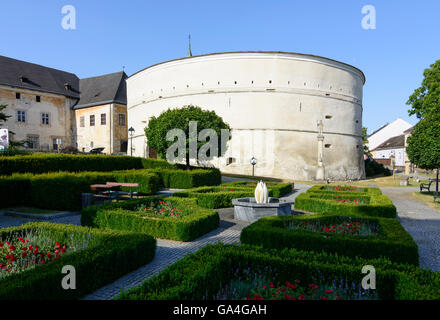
{"x":62,"y":190}
{"x":109,"y":255}
{"x":201,"y":274}
{"x":221,"y":196}
{"x":374,"y":205}
{"x":392,"y":241}
{"x":357,"y":191}
{"x":124,"y":216}
{"x":184,"y":179}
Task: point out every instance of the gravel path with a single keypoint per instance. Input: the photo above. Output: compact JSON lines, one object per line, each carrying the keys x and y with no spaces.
{"x":422,"y":223}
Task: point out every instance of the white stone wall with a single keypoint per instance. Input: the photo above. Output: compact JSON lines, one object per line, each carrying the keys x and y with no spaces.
{"x":398,"y":153}
{"x":272,"y":101}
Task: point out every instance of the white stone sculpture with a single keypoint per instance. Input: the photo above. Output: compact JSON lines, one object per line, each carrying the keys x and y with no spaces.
{"x":261,"y":193}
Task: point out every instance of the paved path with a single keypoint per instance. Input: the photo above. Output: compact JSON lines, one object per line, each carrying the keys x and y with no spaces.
{"x":422,"y":223}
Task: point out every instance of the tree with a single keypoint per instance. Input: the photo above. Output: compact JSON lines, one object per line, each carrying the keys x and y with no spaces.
{"x":365,"y":141}
{"x":180,"y":118}
{"x":3,"y":116}
{"x":424,"y":144}
{"x":426,"y":99}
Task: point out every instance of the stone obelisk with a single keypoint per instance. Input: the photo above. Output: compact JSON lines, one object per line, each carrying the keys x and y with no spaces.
{"x":320,"y":171}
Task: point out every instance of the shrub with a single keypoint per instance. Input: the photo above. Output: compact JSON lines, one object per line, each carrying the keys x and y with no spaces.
{"x":373,"y":205}
{"x":184,"y":179}
{"x":392,"y":241}
{"x":110,"y":255}
{"x":43,"y":163}
{"x":201,"y":274}
{"x":373,"y":168}
{"x":62,"y":190}
{"x":338,"y":190}
{"x":278,"y":189}
{"x":194,"y":223}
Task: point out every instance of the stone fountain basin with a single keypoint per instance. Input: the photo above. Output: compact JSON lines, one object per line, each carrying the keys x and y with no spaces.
{"x":246,"y":209}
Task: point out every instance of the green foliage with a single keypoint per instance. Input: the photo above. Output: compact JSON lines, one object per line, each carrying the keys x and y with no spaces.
{"x":62,"y":190}
{"x":184,"y":179}
{"x":375,"y":205}
{"x":3,"y":116}
{"x":112,"y":255}
{"x":425,"y":99}
{"x":200,"y":275}
{"x":359,"y":191}
{"x":424,"y":143}
{"x":373,"y":168}
{"x":221,"y":196}
{"x":392,"y":242}
{"x":365,"y":141}
{"x":179,"y":118}
{"x":124,"y":216}
{"x":43,"y":163}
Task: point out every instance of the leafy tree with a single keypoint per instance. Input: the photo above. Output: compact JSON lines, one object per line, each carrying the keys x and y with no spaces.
{"x":426,"y":99}
{"x":3,"y":116}
{"x":179,"y":118}
{"x":365,"y":141}
{"x":424,"y":143}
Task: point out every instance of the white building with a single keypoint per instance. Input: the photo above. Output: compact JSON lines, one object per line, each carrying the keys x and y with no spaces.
{"x":390,"y":130}
{"x":393,"y":148}
{"x":271,"y":100}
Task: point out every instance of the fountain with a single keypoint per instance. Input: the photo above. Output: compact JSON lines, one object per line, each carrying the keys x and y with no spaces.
{"x":252,"y":209}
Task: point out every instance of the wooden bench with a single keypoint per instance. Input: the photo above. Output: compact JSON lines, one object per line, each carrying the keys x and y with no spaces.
{"x":427,"y":186}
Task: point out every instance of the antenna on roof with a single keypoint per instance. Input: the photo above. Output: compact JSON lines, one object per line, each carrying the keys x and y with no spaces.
{"x":189,"y":46}
{"x":123,"y":68}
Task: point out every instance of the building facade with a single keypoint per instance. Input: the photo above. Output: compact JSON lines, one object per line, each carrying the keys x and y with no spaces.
{"x":273,"y":102}
{"x":45,"y":106}
{"x":388,"y":131}
{"x":394,"y":150}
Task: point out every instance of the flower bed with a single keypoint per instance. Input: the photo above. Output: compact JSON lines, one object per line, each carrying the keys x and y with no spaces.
{"x":367,"y":203}
{"x":359,"y":236}
{"x":211,"y":273}
{"x":351,"y":191}
{"x":166,"y":218}
{"x":36,"y":253}
{"x":221,"y":196}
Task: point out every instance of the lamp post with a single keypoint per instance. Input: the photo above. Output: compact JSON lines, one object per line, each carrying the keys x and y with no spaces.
{"x":131,"y":130}
{"x":253,"y":163}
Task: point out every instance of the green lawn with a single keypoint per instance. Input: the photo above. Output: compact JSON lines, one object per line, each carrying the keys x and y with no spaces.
{"x":427,"y":198}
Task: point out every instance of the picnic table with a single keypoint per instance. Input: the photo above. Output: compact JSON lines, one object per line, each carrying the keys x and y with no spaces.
{"x":129,"y":185}
{"x":111,"y":190}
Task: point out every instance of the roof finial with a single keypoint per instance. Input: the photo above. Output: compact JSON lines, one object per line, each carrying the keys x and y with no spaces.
{"x":189,"y":46}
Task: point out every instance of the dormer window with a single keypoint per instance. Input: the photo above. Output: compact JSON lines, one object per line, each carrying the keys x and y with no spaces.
{"x":67,"y":86}
{"x":24,"y":79}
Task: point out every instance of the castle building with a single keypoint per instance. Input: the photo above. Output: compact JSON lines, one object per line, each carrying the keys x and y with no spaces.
{"x":273,"y":102}
{"x":51,"y":109}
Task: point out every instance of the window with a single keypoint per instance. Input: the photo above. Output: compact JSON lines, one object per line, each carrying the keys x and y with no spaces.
{"x":91,"y":144}
{"x":38,"y":98}
{"x":92,"y":120}
{"x":81,"y":122}
{"x":103,"y":119}
{"x":57,"y":142}
{"x":17,"y":95}
{"x":33,"y":142}
{"x":21,"y":116}
{"x":122,"y":119}
{"x":45,"y":119}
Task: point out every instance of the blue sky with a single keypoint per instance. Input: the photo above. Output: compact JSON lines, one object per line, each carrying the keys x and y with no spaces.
{"x":138,"y":33}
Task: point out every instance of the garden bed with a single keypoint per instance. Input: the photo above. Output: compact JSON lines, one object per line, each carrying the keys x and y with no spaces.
{"x":364,"y":203}
{"x":221,"y":271}
{"x":33,"y":255}
{"x":279,"y":189}
{"x":162,"y":217}
{"x":354,"y":236}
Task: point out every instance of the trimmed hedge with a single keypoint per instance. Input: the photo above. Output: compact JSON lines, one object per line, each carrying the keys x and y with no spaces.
{"x":111,"y":255}
{"x":378,"y":205}
{"x":214,"y":197}
{"x":278,"y":189}
{"x":330,"y":190}
{"x":122,"y":216}
{"x":62,"y":190}
{"x":392,"y":241}
{"x":184,"y":179}
{"x":43,"y":163}
{"x":201,"y":274}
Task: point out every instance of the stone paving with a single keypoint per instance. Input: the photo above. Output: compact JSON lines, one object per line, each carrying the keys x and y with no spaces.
{"x":422,"y":223}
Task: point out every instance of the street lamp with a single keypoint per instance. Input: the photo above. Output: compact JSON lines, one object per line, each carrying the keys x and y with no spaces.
{"x":131,"y":130}
{"x":253,"y":163}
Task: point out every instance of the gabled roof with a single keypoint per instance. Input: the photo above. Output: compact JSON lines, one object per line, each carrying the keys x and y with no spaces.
{"x":409,"y":130}
{"x":25,"y":75}
{"x":109,"y":88}
{"x":392,"y":143}
{"x":376,"y":131}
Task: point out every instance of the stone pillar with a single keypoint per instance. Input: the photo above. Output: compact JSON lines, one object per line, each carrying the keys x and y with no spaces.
{"x":320,"y":171}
